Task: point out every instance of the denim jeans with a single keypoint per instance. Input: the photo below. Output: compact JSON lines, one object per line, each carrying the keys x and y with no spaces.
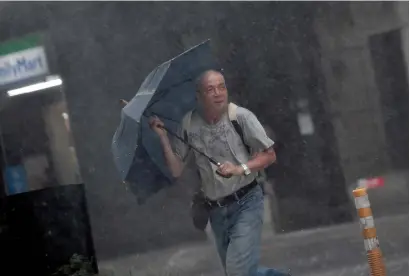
{"x":237,"y":229}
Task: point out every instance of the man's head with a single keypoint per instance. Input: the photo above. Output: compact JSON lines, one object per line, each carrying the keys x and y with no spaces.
{"x":212,"y":92}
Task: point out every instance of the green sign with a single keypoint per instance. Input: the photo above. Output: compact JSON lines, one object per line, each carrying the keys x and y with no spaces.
{"x":16,"y":45}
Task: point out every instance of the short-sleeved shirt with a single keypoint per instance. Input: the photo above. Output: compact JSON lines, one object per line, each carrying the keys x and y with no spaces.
{"x":223,"y":143}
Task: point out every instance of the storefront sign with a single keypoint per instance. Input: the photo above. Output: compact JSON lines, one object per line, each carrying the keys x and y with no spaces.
{"x":20,"y":60}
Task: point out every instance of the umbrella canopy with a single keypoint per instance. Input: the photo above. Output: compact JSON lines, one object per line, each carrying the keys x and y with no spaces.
{"x":168,"y":92}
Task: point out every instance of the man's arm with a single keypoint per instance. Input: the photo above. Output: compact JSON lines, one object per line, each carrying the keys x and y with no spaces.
{"x":258,"y":162}
{"x":262,"y":160}
{"x":173,"y":159}
{"x":256,"y":137}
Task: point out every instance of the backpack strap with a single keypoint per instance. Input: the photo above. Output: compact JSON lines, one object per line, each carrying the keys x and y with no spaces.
{"x":234,"y":120}
{"x":232,"y":111}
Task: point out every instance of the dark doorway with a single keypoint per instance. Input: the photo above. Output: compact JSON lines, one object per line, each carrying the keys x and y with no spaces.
{"x":392,"y":82}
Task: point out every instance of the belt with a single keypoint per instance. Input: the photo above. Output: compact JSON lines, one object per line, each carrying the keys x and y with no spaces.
{"x":236,"y":196}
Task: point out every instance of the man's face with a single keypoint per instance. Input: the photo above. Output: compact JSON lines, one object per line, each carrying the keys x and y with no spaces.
{"x":213,"y":93}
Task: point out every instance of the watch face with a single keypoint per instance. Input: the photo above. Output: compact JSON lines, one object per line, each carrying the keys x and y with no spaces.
{"x":246,"y":170}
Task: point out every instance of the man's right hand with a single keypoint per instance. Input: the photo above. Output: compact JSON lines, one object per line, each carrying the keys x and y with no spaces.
{"x":157,"y":125}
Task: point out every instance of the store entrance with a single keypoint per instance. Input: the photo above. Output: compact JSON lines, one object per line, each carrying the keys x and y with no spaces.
{"x":36,"y":143}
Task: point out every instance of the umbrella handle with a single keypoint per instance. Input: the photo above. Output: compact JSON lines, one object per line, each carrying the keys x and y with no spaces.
{"x":216,"y":163}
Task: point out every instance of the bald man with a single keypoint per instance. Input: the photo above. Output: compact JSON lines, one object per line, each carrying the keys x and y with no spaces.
{"x":235,"y":203}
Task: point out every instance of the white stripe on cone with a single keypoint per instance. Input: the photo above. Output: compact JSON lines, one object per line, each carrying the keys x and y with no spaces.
{"x":371,"y":244}
{"x":367,"y":222}
{"x":362,"y":202}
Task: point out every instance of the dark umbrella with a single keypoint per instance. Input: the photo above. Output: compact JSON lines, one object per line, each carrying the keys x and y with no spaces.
{"x":169,"y":93}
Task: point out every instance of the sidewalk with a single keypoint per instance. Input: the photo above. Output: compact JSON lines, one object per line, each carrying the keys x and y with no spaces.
{"x":335,"y":250}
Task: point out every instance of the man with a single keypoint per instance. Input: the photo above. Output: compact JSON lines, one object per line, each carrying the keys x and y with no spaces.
{"x":235,"y":198}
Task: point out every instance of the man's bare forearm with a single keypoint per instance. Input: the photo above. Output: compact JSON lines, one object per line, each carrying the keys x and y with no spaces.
{"x":262,"y":160}
{"x":174,"y":163}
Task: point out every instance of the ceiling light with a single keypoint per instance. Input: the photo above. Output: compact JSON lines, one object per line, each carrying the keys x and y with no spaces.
{"x":35,"y":87}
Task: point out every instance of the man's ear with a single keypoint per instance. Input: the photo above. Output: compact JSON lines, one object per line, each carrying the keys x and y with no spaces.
{"x":197,"y":94}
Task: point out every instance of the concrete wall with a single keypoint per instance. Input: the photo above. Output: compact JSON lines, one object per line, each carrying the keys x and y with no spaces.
{"x":353,"y":97}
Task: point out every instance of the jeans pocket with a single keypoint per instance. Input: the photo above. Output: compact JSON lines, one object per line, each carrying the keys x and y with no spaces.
{"x":253,"y":195}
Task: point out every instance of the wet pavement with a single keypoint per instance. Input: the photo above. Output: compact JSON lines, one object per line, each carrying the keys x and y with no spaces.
{"x":336,"y":250}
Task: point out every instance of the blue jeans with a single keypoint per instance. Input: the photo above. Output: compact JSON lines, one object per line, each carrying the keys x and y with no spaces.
{"x":237,"y":229}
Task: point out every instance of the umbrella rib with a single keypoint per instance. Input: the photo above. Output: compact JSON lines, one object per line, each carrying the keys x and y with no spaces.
{"x":212,"y":160}
{"x":191,"y":146}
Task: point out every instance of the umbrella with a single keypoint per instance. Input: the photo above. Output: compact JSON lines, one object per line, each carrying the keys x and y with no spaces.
{"x":169,"y":93}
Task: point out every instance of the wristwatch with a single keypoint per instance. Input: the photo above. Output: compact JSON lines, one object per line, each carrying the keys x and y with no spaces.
{"x":246,"y":170}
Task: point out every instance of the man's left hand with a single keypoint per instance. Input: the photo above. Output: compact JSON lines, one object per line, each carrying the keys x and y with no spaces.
{"x":228,"y":168}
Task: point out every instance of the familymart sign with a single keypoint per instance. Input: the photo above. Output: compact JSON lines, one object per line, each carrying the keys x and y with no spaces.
{"x":22,"y":59}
